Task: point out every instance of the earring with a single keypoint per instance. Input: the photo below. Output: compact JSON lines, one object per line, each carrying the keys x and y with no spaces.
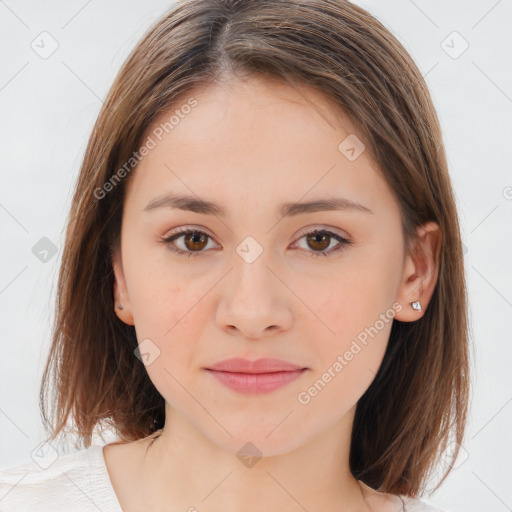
{"x":416,"y":305}
{"x":119,"y":306}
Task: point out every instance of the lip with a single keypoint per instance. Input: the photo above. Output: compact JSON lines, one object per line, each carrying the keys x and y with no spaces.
{"x":254,"y":377}
{"x":263,"y":365}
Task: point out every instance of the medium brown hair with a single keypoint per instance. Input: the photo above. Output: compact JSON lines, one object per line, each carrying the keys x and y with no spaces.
{"x":419,"y":397}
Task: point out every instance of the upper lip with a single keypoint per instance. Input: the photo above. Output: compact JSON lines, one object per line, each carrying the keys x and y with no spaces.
{"x":264,"y":365}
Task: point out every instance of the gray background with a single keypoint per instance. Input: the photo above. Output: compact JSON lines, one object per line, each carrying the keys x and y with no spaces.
{"x":48,"y":107}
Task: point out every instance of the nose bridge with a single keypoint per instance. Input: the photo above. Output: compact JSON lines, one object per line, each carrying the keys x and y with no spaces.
{"x":251,"y":273}
{"x":254,"y":300}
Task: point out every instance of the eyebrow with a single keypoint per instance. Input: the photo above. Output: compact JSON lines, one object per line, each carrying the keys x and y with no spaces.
{"x":197,"y":205}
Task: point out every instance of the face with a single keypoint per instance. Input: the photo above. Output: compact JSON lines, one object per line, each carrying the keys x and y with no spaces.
{"x":252,"y":282}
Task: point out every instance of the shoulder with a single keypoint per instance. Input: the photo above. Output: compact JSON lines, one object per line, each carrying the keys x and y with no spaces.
{"x":417,"y":505}
{"x":395,"y":502}
{"x":73,"y":481}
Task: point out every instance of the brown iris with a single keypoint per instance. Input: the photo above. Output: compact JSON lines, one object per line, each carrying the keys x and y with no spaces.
{"x":195,"y":240}
{"x":317,"y":240}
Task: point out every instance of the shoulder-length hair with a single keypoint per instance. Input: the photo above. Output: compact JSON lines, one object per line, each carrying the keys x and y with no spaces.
{"x":418,"y":400}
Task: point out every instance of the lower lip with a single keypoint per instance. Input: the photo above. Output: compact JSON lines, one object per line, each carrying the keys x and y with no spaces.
{"x":254,"y":383}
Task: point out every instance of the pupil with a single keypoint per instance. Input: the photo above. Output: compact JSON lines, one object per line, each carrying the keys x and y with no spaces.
{"x":323,"y":238}
{"x":195,"y":238}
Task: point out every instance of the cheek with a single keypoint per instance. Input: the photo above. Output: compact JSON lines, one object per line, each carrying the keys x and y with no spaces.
{"x":352,"y":297}
{"x":169,"y":309}
{"x":174,"y":322}
{"x":347,"y":363}
{"x":355,"y":307}
{"x":161,"y":293}
{"x":172,"y":317}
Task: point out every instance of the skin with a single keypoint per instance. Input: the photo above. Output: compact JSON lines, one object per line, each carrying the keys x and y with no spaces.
{"x":250,"y":145}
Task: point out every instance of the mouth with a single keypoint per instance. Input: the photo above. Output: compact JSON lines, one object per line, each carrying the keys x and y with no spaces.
{"x":258,"y":366}
{"x":261,"y":376}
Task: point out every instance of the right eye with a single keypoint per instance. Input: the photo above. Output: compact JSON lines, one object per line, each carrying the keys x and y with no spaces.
{"x":194,"y":241}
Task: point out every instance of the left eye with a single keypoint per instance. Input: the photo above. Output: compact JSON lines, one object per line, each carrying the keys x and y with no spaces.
{"x":321,"y":239}
{"x":195,"y":241}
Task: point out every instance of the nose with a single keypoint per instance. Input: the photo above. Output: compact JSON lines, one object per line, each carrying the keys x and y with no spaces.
{"x":255,"y":302}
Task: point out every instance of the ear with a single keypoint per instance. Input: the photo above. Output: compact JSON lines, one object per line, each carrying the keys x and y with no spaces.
{"x":421,"y":270}
{"x":121,"y":297}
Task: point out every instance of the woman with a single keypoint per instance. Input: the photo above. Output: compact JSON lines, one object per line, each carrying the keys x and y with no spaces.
{"x":240,"y":370}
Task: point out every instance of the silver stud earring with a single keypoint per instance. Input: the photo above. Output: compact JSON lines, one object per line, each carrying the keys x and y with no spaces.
{"x":119,"y":306}
{"x":416,"y":305}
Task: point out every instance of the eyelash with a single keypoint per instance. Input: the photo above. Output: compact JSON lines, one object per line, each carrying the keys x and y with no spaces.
{"x":184,"y":231}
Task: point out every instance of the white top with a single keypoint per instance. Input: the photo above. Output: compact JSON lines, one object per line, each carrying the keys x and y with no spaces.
{"x":79,"y":482}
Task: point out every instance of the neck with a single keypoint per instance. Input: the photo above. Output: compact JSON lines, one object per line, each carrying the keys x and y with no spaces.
{"x":184,"y":468}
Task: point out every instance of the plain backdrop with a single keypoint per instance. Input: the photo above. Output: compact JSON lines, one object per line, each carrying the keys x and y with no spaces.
{"x":48,"y":105}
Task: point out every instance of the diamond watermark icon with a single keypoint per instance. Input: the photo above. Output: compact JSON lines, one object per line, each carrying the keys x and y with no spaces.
{"x":351,"y":147}
{"x":448,"y":456}
{"x":44,"y":455}
{"x":249,"y":454}
{"x":44,"y":45}
{"x":44,"y":250}
{"x":249,"y":250}
{"x":147,"y":351}
{"x":454,"y":45}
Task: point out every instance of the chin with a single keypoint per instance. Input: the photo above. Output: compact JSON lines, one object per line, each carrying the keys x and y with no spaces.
{"x":258,"y":443}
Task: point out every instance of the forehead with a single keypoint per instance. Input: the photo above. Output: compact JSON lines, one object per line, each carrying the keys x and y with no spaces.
{"x":259,"y":136}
